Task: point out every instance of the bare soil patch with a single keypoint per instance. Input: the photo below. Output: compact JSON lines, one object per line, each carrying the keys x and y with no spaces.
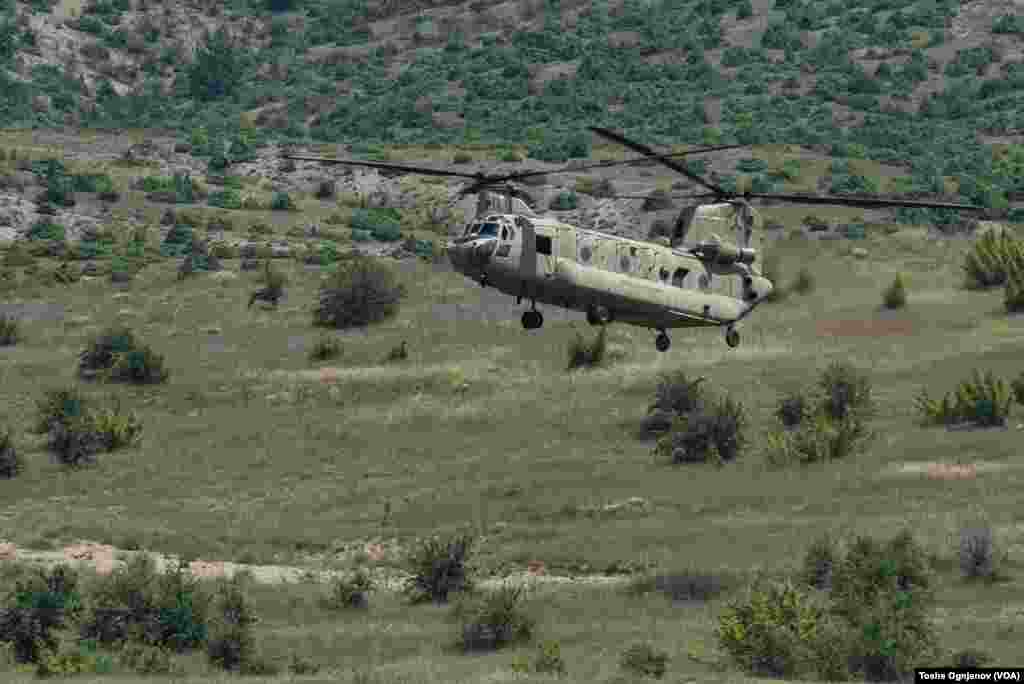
{"x":867,"y":327}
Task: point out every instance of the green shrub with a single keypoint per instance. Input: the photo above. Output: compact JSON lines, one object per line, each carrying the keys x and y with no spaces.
{"x":349,"y":592}
{"x":676,"y":396}
{"x":643,"y":660}
{"x":713,"y":433}
{"x":462,"y":157}
{"x":77,"y":431}
{"x":73,"y":658}
{"x":493,"y":620}
{"x":227,"y":199}
{"x":281,"y":201}
{"x":362,"y":291}
{"x":984,"y":400}
{"x":817,"y":440}
{"x":846,"y":391}
{"x":11,"y":463}
{"x":382,"y":224}
{"x":895,"y":296}
{"x":231,"y":645}
{"x":325,"y":349}
{"x":116,"y":355}
{"x":804,"y":283}
{"x":10,"y":330}
{"x":437,"y":568}
{"x":565,"y":201}
{"x":510,"y":156}
{"x":793,"y":409}
{"x":44,"y":229}
{"x":819,"y":563}
{"x":979,"y":557}
{"x":587,"y":355}
{"x":1017,"y":387}
{"x":136,"y":604}
{"x":399,"y":353}
{"x":36,"y":608}
{"x":986,"y":265}
{"x":1014,"y":294}
{"x":326,"y":189}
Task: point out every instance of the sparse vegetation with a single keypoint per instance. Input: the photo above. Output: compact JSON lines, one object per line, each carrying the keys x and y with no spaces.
{"x":349,"y":591}
{"x":326,"y":348}
{"x":804,"y":283}
{"x":987,"y":264}
{"x":362,"y":291}
{"x":493,"y":620}
{"x":11,"y":462}
{"x":978,"y":554}
{"x":438,"y":568}
{"x":10,"y":330}
{"x":873,"y":621}
{"x":644,"y":660}
{"x":77,"y":429}
{"x":116,"y":355}
{"x":984,"y":400}
{"x":895,"y":296}
{"x":583,"y":354}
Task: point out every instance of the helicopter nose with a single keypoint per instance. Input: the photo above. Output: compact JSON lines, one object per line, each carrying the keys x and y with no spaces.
{"x":482,"y":253}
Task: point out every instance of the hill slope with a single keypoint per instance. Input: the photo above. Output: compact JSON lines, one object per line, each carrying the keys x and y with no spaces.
{"x":859,"y":79}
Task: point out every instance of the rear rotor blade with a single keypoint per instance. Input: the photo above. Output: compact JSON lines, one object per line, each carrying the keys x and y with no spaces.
{"x":648,"y":152}
{"x":865,"y":202}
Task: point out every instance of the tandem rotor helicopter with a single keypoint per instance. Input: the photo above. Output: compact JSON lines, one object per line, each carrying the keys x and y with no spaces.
{"x":693,"y":279}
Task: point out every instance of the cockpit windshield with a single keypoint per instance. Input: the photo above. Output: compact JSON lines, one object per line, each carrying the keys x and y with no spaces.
{"x":489,"y":230}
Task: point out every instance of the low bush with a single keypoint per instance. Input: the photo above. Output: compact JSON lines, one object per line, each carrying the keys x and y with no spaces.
{"x":713,"y":433}
{"x":281,"y":201}
{"x":895,"y":296}
{"x":38,"y":606}
{"x":979,"y":557}
{"x":136,"y":604}
{"x":583,"y":354}
{"x":325,"y":349}
{"x":493,"y":620}
{"x":231,"y":645}
{"x":984,"y":400}
{"x":685,"y":585}
{"x":11,"y":463}
{"x":804,"y":283}
{"x":1013,"y":297}
{"x":676,"y":396}
{"x":399,"y":353}
{"x":564,"y":201}
{"x":362,"y":291}
{"x":437,"y":568}
{"x":869,"y":620}
{"x":1017,"y":387}
{"x":115,"y":354}
{"x":987,"y":264}
{"x":10,"y":330}
{"x":643,"y":660}
{"x":77,"y":430}
{"x":351,"y":591}
{"x":846,"y":391}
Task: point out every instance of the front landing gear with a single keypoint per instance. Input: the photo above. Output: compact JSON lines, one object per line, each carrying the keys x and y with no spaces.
{"x":732,"y":337}
{"x":662,"y":342}
{"x":532,"y":320}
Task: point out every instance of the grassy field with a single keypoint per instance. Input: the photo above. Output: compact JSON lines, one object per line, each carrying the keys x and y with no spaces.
{"x":253,"y":453}
{"x":250,"y":455}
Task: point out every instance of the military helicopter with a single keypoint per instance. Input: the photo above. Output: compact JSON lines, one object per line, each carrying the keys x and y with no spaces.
{"x":692,"y":279}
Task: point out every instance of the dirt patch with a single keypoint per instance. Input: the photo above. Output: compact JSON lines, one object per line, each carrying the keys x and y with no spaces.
{"x":104,"y":559}
{"x":868,"y":327}
{"x":945,"y":471}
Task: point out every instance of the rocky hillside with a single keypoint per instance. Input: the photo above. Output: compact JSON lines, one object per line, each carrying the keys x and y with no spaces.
{"x":852,"y":79}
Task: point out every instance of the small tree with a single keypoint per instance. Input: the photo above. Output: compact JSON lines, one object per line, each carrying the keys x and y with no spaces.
{"x":361,"y":292}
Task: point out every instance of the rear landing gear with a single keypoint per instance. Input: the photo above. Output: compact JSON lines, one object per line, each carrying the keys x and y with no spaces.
{"x":532,"y":320}
{"x":732,"y":337}
{"x":662,"y":341}
{"x":598,"y":315}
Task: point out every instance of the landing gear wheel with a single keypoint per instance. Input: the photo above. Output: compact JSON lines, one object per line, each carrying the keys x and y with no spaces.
{"x":662,"y":342}
{"x":532,"y":320}
{"x":732,"y":338}
{"x":598,"y":315}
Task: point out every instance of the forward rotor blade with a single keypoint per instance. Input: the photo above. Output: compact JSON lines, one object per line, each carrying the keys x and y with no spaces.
{"x":648,"y":152}
{"x":396,"y":167}
{"x":866,"y":202}
{"x":598,"y":165}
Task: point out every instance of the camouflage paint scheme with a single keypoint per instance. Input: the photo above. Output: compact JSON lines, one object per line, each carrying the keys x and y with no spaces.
{"x":642,"y":283}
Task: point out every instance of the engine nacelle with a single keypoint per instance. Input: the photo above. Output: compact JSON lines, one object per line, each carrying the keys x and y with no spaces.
{"x":724,"y":254}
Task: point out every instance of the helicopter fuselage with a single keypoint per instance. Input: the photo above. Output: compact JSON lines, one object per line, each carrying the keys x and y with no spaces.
{"x":609,"y":277}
